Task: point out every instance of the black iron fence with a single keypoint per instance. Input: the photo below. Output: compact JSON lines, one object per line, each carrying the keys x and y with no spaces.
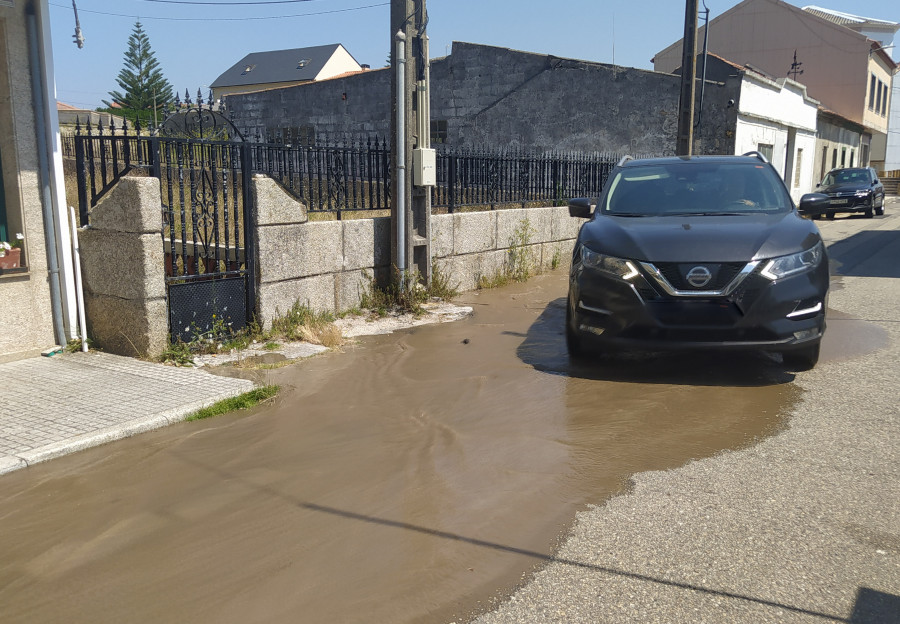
{"x":341,"y":176}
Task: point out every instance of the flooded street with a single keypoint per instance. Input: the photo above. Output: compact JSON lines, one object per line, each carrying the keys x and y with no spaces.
{"x":412,"y":478}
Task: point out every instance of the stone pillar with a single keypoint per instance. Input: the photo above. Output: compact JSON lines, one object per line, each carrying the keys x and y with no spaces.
{"x":122,"y":266}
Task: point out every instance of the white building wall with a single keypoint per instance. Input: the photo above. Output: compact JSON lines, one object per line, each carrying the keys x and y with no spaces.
{"x":751,"y":132}
{"x":892,"y":151}
{"x":805,"y":181}
{"x":769,"y":113}
{"x":340,"y":62}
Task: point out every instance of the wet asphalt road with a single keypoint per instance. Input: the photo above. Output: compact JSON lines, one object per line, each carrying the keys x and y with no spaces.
{"x":801,"y":527}
{"x":423,"y":477}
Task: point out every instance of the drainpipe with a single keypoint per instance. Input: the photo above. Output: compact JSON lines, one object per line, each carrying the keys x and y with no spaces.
{"x":400,"y":38}
{"x":703,"y":79}
{"x":37,"y":91}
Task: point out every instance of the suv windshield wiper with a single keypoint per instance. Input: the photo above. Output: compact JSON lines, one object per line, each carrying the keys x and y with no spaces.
{"x":627,"y":214}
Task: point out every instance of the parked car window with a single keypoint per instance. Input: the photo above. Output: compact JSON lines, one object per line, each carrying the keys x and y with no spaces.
{"x":847,"y":176}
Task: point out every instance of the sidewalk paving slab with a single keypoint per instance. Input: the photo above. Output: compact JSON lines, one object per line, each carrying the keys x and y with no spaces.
{"x":57,"y":405}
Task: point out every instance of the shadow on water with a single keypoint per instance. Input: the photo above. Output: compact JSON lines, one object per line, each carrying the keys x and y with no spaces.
{"x":544,"y":348}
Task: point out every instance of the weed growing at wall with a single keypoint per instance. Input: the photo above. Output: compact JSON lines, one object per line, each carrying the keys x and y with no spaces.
{"x":520,"y":261}
{"x":406,"y":292}
{"x":299,"y":323}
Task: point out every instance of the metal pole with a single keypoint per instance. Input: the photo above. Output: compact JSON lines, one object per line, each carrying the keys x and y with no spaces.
{"x":703,"y":71}
{"x":685,"y":139}
{"x":400,"y":196}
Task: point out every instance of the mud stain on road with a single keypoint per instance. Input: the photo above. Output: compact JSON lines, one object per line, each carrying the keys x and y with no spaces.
{"x":408,"y":479}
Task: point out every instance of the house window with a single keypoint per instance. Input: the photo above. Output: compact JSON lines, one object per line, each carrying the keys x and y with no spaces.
{"x":878,"y":98}
{"x":766,"y":150}
{"x":834,"y":159}
{"x":884,"y":101}
{"x":248,"y":69}
{"x":797,"y":166}
{"x":852,"y":155}
{"x":302,"y":63}
{"x":438,"y":130}
{"x":822,"y":171}
{"x":872,"y":92}
{"x":843,"y":157}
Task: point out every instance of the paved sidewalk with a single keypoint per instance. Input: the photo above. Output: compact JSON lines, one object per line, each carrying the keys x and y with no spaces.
{"x":69,"y":402}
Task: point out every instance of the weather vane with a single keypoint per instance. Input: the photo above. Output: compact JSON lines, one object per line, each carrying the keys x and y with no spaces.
{"x":795,"y":67}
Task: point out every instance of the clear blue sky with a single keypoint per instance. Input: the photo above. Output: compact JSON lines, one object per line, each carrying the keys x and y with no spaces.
{"x":194,"y":43}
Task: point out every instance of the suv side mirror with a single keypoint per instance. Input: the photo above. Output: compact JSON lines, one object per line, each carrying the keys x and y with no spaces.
{"x":580,"y":207}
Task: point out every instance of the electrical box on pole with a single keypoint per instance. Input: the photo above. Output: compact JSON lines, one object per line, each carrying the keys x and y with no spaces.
{"x":411,"y":140}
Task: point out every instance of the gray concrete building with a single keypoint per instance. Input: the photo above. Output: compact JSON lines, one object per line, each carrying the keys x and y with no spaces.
{"x":500,"y":98}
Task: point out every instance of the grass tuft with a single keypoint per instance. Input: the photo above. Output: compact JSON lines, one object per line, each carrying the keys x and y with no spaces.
{"x":243,"y":401}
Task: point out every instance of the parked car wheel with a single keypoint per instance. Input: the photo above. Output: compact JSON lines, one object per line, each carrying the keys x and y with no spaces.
{"x":880,"y":209}
{"x":870,"y":209}
{"x":801,"y":359}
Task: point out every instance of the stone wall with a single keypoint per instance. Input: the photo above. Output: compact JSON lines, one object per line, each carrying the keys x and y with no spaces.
{"x":502,"y":98}
{"x":326,"y":265}
{"x":329,"y":265}
{"x":123,"y":272}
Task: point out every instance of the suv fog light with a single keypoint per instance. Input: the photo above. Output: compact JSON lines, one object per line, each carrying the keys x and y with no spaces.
{"x":593,"y":330}
{"x":804,"y":334}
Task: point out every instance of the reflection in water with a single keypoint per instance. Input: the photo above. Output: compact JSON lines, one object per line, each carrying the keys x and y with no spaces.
{"x":407,"y":479}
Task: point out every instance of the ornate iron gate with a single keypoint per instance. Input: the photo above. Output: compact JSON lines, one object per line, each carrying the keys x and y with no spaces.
{"x":204,"y":170}
{"x":207,"y":236}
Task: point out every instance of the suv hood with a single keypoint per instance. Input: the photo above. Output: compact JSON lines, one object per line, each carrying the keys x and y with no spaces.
{"x":701,"y":238}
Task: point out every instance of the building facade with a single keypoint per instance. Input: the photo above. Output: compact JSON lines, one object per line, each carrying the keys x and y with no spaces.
{"x":36,"y":297}
{"x":493,"y":97}
{"x":845,"y":70}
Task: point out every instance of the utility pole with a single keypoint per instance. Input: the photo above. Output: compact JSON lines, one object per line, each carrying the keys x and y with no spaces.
{"x":685,"y":141}
{"x":411,"y":154}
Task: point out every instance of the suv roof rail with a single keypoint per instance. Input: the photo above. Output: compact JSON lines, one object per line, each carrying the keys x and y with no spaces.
{"x":757,"y":154}
{"x":624,"y":160}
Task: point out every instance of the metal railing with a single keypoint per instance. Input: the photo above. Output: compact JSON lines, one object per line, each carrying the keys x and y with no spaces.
{"x":348,"y":176}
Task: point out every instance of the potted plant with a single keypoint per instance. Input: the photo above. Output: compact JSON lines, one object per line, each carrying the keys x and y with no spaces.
{"x":11,"y":253}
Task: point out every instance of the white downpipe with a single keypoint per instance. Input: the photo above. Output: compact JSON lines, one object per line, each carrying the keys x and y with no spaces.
{"x":56,"y":179}
{"x":79,"y":290}
{"x":400,"y":65}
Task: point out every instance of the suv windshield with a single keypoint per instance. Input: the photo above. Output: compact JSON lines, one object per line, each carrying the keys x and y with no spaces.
{"x":680,"y":188}
{"x":846,"y":176}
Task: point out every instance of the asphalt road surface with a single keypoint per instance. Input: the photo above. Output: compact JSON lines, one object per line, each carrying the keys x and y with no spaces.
{"x":468,"y":470}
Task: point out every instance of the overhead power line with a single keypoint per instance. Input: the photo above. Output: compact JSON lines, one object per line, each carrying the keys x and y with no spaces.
{"x":227,"y":19}
{"x":219,"y":3}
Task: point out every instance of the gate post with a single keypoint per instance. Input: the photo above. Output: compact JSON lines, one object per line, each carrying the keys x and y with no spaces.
{"x":249,"y":227}
{"x":81,"y":173}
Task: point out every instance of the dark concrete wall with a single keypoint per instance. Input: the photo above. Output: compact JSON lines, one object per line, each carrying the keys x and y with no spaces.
{"x":504,"y":98}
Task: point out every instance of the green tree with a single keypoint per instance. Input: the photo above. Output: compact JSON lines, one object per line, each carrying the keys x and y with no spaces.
{"x":141,"y":79}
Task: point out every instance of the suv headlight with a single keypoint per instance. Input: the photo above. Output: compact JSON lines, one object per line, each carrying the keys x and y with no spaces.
{"x":863,"y":193}
{"x":778,"y":268}
{"x":623,"y":269}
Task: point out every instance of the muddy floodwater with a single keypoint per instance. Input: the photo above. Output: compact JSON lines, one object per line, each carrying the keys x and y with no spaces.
{"x":412,"y":478}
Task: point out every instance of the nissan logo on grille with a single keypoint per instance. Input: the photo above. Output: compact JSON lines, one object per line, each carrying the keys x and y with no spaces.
{"x":699,"y":276}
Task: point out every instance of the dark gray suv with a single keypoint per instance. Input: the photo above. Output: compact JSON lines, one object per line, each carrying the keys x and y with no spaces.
{"x":703,"y":252}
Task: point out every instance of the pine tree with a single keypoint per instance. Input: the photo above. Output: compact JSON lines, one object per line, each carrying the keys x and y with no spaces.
{"x":141,"y":78}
